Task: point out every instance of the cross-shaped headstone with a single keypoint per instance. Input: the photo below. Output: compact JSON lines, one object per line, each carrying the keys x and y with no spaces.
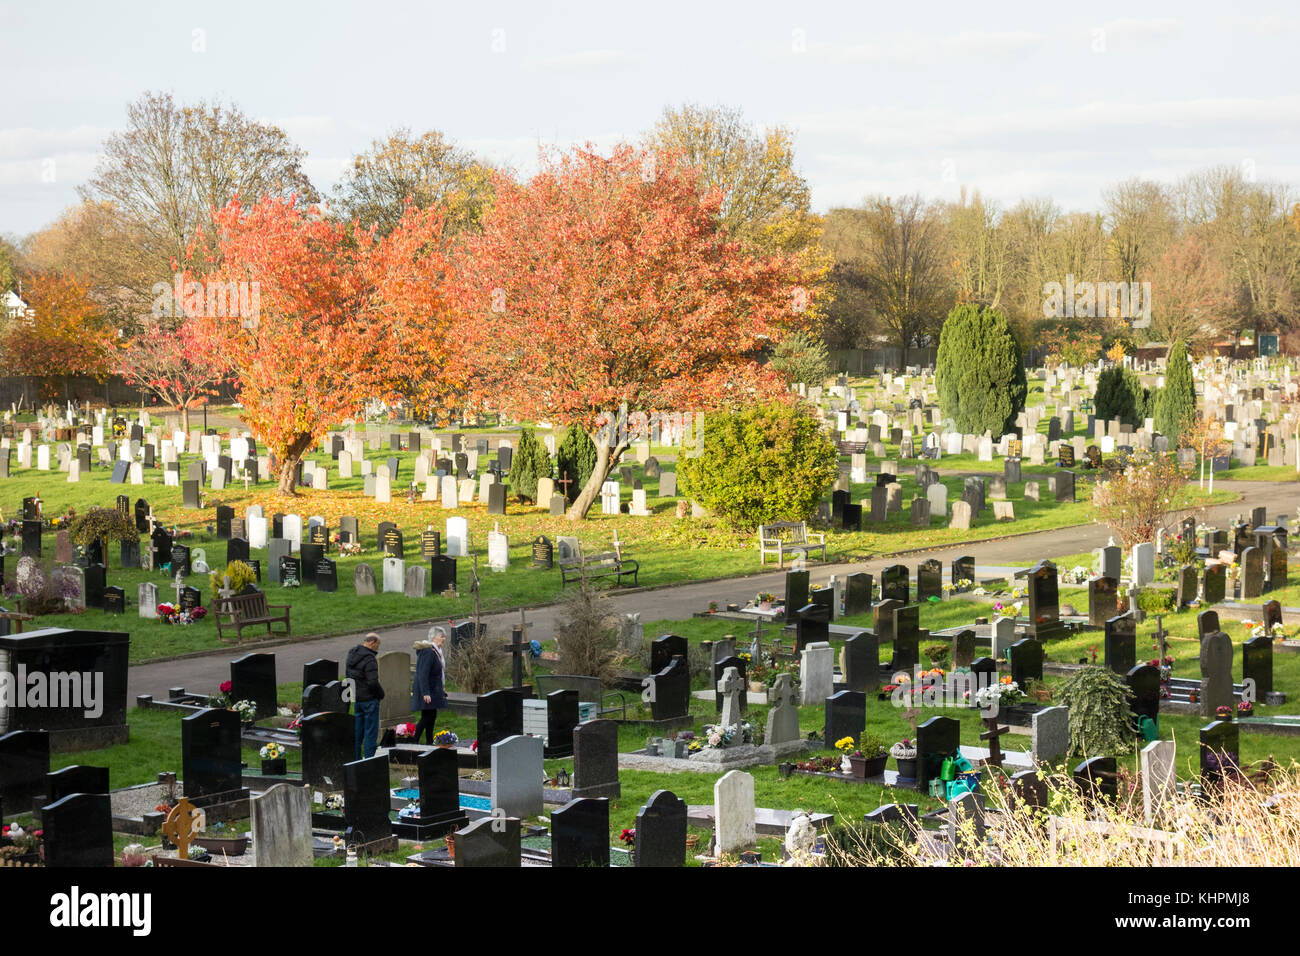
{"x":564,"y":483}
{"x":910,"y":714}
{"x":994,"y":758}
{"x":516,"y":649}
{"x":226,"y":590}
{"x":183,"y":822}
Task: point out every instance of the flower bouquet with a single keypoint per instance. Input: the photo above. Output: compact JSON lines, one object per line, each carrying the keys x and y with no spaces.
{"x":246,"y":709}
{"x":273,"y":760}
{"x":404,"y":731}
{"x":445,"y":738}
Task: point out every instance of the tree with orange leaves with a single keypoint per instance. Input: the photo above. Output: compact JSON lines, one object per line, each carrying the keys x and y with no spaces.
{"x":66,"y":333}
{"x":342,"y":316}
{"x":608,"y":281}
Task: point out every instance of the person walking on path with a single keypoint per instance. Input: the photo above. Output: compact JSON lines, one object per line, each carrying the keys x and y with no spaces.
{"x":428,"y":693}
{"x":363,"y":671}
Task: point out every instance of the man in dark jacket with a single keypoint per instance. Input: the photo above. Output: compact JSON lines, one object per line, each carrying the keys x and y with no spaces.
{"x":363,"y":671}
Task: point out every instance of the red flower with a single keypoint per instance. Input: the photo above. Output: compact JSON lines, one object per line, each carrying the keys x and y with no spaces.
{"x":226,"y":687}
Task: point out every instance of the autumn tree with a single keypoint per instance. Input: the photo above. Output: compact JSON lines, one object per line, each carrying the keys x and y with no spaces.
{"x":1188,"y":292}
{"x":428,"y":171}
{"x":94,"y":241}
{"x":898,"y":264}
{"x":66,"y":335}
{"x":595,"y":285}
{"x":174,"y":165}
{"x":765,"y":202}
{"x":1147,"y":495}
{"x":172,"y":361}
{"x":344,"y":315}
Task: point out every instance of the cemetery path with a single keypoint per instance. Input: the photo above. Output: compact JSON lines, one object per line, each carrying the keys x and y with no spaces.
{"x":203,"y":674}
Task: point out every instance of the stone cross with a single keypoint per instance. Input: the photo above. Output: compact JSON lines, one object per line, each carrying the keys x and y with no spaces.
{"x":564,"y":483}
{"x":516,"y":649}
{"x":226,"y":591}
{"x":994,"y":758}
{"x":731,"y":688}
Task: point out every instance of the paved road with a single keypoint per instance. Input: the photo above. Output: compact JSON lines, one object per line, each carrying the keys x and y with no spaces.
{"x":203,"y":674}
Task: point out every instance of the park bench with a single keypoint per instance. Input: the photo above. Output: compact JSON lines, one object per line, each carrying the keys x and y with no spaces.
{"x":772,"y":539}
{"x":607,"y":564}
{"x":248,"y":610}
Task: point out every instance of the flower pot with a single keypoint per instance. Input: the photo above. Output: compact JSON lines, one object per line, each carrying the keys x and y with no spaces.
{"x":274,"y":768}
{"x":906,"y":767}
{"x":757,"y":687}
{"x":875,"y":766}
{"x":784,"y":769}
{"x":858,"y":767}
{"x":451,"y":844}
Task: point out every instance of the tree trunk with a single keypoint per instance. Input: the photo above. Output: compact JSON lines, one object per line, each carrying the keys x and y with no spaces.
{"x":289,"y":464}
{"x":605,"y":458}
{"x":185,"y":419}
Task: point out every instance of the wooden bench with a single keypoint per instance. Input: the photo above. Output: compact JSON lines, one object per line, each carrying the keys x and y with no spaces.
{"x":605,"y":565}
{"x":772,"y":540}
{"x":249,"y":610}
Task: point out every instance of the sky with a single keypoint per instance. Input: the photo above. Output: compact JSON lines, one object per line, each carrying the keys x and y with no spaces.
{"x":1013,"y":100}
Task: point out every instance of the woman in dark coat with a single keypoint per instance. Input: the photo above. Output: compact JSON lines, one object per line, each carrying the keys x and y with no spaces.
{"x":428,"y":693}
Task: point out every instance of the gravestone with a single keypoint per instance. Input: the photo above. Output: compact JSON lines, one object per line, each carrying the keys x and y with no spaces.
{"x":936,"y":739}
{"x":78,"y":831}
{"x":500,"y":714}
{"x":517,"y":775}
{"x":929,"y":580}
{"x":733,"y":813}
{"x":1026,"y":659}
{"x":846,"y":716}
{"x":858,"y":589}
{"x":1144,"y":681}
{"x":1216,"y":672}
{"x":661,"y":831}
{"x":862,"y":662}
{"x":24,"y":765}
{"x":490,"y":842}
{"x":1103,"y":600}
{"x":1257,"y":665}
{"x":363,"y":579}
{"x":1214,"y":583}
{"x":907,"y":638}
{"x":280,"y":823}
{"x":252,"y":677}
{"x":595,"y":759}
{"x":580,"y":833}
{"x":366,"y":801}
{"x":1120,"y":643}
{"x":816,"y":673}
{"x":1049,"y":734}
{"x":328,"y":743}
{"x":210,"y":752}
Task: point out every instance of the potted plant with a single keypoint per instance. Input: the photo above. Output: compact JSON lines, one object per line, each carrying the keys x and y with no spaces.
{"x":765,"y":599}
{"x":445,"y":739}
{"x":904,"y":754}
{"x":222,"y":841}
{"x":1245,"y":708}
{"x":404,"y":732}
{"x":874,"y":753}
{"x":273,"y":760}
{"x":628,"y":838}
{"x":1223,"y":713}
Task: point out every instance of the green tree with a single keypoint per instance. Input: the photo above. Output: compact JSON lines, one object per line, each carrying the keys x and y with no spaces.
{"x":979,"y":371}
{"x":1176,"y":402}
{"x":1120,"y":395}
{"x":802,"y":358}
{"x":762,"y":463}
{"x":575,"y":459}
{"x":531,"y":462}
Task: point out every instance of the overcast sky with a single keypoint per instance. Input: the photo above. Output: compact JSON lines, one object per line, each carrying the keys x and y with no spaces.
{"x":1014,"y":100}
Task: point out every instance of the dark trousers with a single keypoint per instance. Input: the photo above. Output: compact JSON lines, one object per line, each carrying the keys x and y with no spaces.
{"x":427,"y":717}
{"x":366,"y":726}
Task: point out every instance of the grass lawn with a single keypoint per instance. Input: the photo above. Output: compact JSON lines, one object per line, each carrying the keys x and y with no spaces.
{"x":670,"y":550}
